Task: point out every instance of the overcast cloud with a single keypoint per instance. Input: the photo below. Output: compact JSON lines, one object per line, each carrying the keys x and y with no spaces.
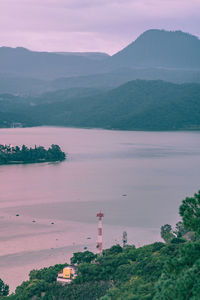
{"x":91,"y":25}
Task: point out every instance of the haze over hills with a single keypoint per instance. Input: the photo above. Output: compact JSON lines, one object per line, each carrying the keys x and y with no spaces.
{"x":153,"y":49}
{"x":25,"y":86}
{"x":122,"y":75}
{"x":21,"y":85}
{"x":90,"y":55}
{"x":43,"y":65}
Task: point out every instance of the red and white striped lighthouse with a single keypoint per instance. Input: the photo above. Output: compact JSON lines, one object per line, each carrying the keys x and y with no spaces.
{"x":100,"y":215}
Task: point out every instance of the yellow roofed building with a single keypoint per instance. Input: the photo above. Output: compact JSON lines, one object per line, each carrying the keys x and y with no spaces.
{"x":67,"y":274}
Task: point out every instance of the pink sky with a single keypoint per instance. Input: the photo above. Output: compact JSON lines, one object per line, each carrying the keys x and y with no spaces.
{"x":91,"y":25}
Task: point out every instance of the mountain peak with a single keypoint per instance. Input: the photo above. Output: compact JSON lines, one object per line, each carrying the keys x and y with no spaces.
{"x":164,"y":34}
{"x":161,"y":48}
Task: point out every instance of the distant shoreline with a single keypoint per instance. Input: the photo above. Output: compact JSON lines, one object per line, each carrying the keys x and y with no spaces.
{"x":107,"y":129}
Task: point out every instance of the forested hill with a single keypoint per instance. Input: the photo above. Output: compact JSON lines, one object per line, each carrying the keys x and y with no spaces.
{"x":136,"y":105}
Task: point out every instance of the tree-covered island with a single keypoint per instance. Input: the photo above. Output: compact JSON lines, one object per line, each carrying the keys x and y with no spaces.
{"x":22,"y":155}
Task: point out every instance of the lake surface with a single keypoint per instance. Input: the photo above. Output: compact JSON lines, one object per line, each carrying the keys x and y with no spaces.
{"x":138,"y":179}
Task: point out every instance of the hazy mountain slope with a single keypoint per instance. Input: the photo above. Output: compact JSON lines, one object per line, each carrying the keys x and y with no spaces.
{"x":32,"y":87}
{"x":43,"y":65}
{"x":22,"y":85}
{"x":62,"y":95}
{"x":136,"y":105}
{"x":162,"y":49}
{"x":15,"y":109}
{"x":123,"y":75}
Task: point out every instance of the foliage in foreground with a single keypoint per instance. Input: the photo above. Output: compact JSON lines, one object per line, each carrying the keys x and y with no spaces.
{"x":4,"y":288}
{"x":158,"y":271}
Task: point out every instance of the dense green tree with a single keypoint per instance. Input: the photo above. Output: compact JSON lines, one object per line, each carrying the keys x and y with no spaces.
{"x":82,"y":257}
{"x":113,"y":250}
{"x":30,"y":289}
{"x":4,"y":288}
{"x":167,"y":233}
{"x":180,"y":230}
{"x":190,"y":213}
{"x":85,"y":291}
{"x":181,"y":278}
{"x":48,"y":274}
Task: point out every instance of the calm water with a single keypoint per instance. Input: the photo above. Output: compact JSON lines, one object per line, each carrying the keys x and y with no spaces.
{"x":138,"y":179}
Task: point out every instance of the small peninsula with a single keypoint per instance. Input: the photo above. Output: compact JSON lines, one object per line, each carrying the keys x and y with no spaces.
{"x":24,"y":155}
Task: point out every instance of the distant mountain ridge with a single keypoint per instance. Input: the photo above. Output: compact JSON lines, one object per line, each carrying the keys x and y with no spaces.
{"x":152,"y":49}
{"x":172,"y":56}
{"x":43,"y":65}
